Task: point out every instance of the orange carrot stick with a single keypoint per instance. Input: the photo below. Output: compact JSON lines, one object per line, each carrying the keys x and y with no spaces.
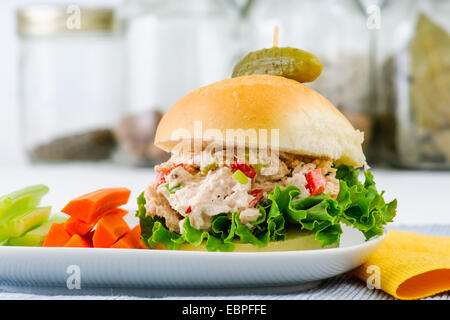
{"x":79,"y":242}
{"x":57,"y":236}
{"x":109,"y":229}
{"x":132,"y":240}
{"x":92,"y":206}
{"x":77,"y":226}
{"x":119,"y":211}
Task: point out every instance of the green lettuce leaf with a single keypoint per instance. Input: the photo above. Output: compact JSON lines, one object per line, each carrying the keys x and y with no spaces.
{"x":259,"y":238}
{"x":358,"y":204}
{"x":196,"y":237}
{"x":363,"y":207}
{"x":154,"y":230}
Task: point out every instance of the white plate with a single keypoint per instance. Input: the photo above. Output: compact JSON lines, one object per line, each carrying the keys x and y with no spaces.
{"x":181,"y":269}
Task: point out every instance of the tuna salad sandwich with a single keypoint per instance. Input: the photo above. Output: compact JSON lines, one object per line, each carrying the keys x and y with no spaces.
{"x":259,"y":163}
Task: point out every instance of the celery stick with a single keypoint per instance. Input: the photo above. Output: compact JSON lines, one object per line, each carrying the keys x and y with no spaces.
{"x":21,"y":200}
{"x":36,"y":236}
{"x":58,"y":218}
{"x":17,"y":225}
{"x":28,"y":220}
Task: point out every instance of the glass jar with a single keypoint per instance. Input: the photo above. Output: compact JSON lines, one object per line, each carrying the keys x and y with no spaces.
{"x":336,"y":32}
{"x":70,"y":82}
{"x":415,"y":83}
{"x":172,"y":48}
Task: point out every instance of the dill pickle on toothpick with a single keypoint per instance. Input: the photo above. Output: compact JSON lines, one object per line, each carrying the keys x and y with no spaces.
{"x":287,"y":62}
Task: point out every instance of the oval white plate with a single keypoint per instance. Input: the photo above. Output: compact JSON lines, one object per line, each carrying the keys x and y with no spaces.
{"x":182,"y":269}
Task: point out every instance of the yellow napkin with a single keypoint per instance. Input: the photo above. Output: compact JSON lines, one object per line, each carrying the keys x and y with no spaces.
{"x":409,"y":265}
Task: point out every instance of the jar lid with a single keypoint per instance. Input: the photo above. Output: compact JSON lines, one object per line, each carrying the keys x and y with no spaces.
{"x":56,"y":19}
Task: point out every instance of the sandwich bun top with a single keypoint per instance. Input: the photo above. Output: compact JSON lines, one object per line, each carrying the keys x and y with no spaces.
{"x":306,"y":122}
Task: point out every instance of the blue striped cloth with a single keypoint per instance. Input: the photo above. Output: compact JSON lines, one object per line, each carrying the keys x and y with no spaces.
{"x":343,"y":287}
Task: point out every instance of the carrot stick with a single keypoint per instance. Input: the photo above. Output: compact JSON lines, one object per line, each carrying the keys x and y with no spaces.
{"x":77,"y":241}
{"x":119,"y":211}
{"x":132,"y":240}
{"x":109,"y":229}
{"x":57,"y":236}
{"x":92,"y":206}
{"x":77,"y":226}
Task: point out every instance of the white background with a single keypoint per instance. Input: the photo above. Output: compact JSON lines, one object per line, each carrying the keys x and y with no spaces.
{"x":422,"y":196}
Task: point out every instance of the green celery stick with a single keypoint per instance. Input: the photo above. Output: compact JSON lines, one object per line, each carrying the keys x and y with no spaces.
{"x":36,"y":236}
{"x":21,"y":200}
{"x":17,"y":225}
{"x":28,"y":220}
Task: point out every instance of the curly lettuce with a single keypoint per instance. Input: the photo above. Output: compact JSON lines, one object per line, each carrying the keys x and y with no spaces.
{"x":363,"y":207}
{"x":358,"y":204}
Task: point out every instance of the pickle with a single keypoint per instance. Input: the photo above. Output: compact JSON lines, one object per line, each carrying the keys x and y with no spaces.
{"x":287,"y":62}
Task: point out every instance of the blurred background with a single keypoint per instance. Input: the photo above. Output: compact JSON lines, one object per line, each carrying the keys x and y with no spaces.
{"x":88,"y":81}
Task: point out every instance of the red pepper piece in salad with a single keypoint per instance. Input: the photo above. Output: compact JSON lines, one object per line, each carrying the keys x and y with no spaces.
{"x":316,"y":181}
{"x":258,"y":194}
{"x":162,"y":174}
{"x":245,"y":168}
{"x":160,"y":178}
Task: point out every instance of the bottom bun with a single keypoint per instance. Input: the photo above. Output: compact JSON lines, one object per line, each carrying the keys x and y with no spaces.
{"x":295,"y":241}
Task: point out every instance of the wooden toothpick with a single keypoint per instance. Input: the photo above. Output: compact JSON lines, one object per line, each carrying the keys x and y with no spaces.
{"x":276,"y":31}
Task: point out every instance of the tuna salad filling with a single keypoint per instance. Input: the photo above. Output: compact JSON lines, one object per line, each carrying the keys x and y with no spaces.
{"x":187,"y":189}
{"x":224,"y":198}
